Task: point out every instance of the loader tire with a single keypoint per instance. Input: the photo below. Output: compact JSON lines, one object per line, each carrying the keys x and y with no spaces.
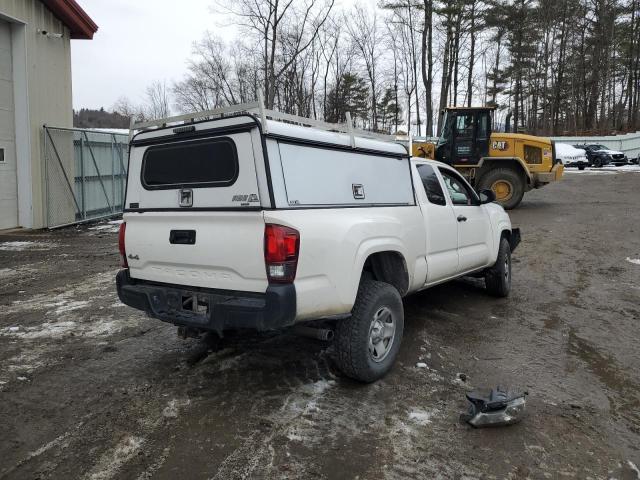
{"x":506,"y":183}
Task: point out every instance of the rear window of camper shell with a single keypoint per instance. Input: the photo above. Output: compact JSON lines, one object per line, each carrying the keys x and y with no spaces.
{"x":210,"y":162}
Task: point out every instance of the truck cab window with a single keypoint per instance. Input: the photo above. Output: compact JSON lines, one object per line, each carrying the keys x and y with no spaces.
{"x":459,"y":191}
{"x":431,"y":184}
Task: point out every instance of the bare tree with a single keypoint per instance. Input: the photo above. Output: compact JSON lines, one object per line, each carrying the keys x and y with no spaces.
{"x":364,"y":33}
{"x":127,"y":108}
{"x":267,"y":22}
{"x":157,"y":102}
{"x":427,"y":62}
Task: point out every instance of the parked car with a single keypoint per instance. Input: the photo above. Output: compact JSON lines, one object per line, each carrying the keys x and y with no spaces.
{"x":600,"y":155}
{"x":571,"y":156}
{"x":247,"y":223}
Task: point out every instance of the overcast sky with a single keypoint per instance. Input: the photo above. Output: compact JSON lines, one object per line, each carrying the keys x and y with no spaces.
{"x":141,"y":41}
{"x":137,"y":42}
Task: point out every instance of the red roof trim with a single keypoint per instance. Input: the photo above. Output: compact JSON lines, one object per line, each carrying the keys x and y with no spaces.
{"x":74,"y":17}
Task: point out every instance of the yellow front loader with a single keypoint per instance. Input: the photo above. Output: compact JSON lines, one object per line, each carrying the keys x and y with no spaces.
{"x":510,"y":164}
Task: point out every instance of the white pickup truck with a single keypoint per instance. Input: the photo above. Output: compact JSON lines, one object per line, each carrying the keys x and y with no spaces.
{"x":246,"y":222}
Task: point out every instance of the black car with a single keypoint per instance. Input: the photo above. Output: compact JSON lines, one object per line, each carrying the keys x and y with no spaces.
{"x":600,"y":155}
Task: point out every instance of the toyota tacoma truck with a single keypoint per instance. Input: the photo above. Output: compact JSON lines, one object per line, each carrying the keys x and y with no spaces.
{"x":246,"y":221}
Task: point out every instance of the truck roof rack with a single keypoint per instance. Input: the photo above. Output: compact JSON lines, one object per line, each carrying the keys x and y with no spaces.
{"x":257,"y":108}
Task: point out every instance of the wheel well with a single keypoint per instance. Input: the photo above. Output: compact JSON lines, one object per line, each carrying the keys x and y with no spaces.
{"x":389,"y":267}
{"x":506,"y":234}
{"x":513,"y":164}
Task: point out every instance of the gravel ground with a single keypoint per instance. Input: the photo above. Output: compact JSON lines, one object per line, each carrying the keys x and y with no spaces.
{"x":92,"y":389}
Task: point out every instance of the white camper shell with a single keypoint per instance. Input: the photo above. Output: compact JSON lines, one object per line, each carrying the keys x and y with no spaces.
{"x":263,"y":220}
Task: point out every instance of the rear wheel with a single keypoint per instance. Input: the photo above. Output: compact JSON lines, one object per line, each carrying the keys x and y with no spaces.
{"x":498,"y":278}
{"x":506,"y":183}
{"x":367,"y":343}
{"x":581,"y":167}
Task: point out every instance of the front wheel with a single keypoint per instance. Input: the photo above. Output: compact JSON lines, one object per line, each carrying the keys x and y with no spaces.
{"x":598,"y":162}
{"x":367,"y":343}
{"x":506,"y":183}
{"x":498,"y":278}
{"x":581,"y":167}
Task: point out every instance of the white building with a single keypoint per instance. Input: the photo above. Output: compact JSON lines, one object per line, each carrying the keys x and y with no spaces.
{"x":35,"y":89}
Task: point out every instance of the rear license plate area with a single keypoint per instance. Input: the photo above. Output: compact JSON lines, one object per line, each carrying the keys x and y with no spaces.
{"x":194,"y":303}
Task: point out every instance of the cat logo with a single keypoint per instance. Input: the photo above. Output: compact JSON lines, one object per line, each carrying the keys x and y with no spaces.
{"x":499,"y":145}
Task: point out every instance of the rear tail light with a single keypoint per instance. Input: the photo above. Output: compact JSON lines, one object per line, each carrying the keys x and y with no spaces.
{"x":123,"y":253}
{"x":281,"y":248}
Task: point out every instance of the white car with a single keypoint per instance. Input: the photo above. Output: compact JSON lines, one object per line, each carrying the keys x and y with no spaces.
{"x":244,"y":222}
{"x":571,"y":156}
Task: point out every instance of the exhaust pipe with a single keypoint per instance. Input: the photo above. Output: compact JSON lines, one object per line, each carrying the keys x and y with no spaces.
{"x":323,"y":334}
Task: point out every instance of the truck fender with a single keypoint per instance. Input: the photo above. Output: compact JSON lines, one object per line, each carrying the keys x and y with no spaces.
{"x":370,"y":247}
{"x":500,"y":228}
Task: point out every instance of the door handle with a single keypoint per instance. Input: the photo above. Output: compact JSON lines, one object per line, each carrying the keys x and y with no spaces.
{"x":462,"y":218}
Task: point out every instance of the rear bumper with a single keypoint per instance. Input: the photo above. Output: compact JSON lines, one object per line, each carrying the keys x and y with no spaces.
{"x":620,"y":161}
{"x":219,"y":310}
{"x":540,"y":179}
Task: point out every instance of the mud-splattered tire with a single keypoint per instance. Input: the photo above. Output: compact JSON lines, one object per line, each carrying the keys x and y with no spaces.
{"x":498,"y":278}
{"x":367,"y":343}
{"x":506,"y":183}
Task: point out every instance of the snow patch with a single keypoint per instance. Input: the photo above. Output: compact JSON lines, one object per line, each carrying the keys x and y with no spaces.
{"x":294,"y":437}
{"x":46,"y":330}
{"x":66,"y":302}
{"x":173,"y":407}
{"x":70,"y":306}
{"x":588,"y":171}
{"x":422,"y":417}
{"x":111,"y":462}
{"x":635,"y":261}
{"x":109,"y":227}
{"x":317,"y":388}
{"x":7,"y":272}
{"x":607,"y":170}
{"x":302,"y":402}
{"x":421,"y":365}
{"x":19,"y":246}
{"x":633,"y":467}
{"x":94,"y":327}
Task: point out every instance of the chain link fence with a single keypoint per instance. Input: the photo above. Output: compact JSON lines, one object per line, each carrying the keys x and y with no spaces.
{"x":85,"y":174}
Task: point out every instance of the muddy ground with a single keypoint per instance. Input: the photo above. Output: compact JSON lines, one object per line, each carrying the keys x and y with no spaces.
{"x":92,"y":389}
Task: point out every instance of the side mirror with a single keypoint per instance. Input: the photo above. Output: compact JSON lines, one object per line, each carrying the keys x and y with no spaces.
{"x":486,"y":196}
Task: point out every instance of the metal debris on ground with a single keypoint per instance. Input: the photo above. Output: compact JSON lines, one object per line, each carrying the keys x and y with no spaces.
{"x":497,"y":408}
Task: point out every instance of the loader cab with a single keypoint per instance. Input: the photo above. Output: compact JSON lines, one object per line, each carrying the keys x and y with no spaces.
{"x":465,"y":136}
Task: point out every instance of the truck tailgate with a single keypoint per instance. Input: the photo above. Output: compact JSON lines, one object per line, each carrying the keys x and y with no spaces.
{"x":222,"y":250}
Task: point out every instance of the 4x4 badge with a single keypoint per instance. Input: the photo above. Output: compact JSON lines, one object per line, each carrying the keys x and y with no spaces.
{"x":186,"y":197}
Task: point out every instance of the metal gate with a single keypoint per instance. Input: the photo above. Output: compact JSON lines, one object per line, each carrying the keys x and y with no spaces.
{"x":85,"y":174}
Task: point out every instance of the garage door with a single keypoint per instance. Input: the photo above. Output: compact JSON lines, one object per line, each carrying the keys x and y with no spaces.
{"x":8,"y":177}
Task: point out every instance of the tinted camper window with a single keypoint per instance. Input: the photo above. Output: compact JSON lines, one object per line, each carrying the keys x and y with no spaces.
{"x":198,"y":163}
